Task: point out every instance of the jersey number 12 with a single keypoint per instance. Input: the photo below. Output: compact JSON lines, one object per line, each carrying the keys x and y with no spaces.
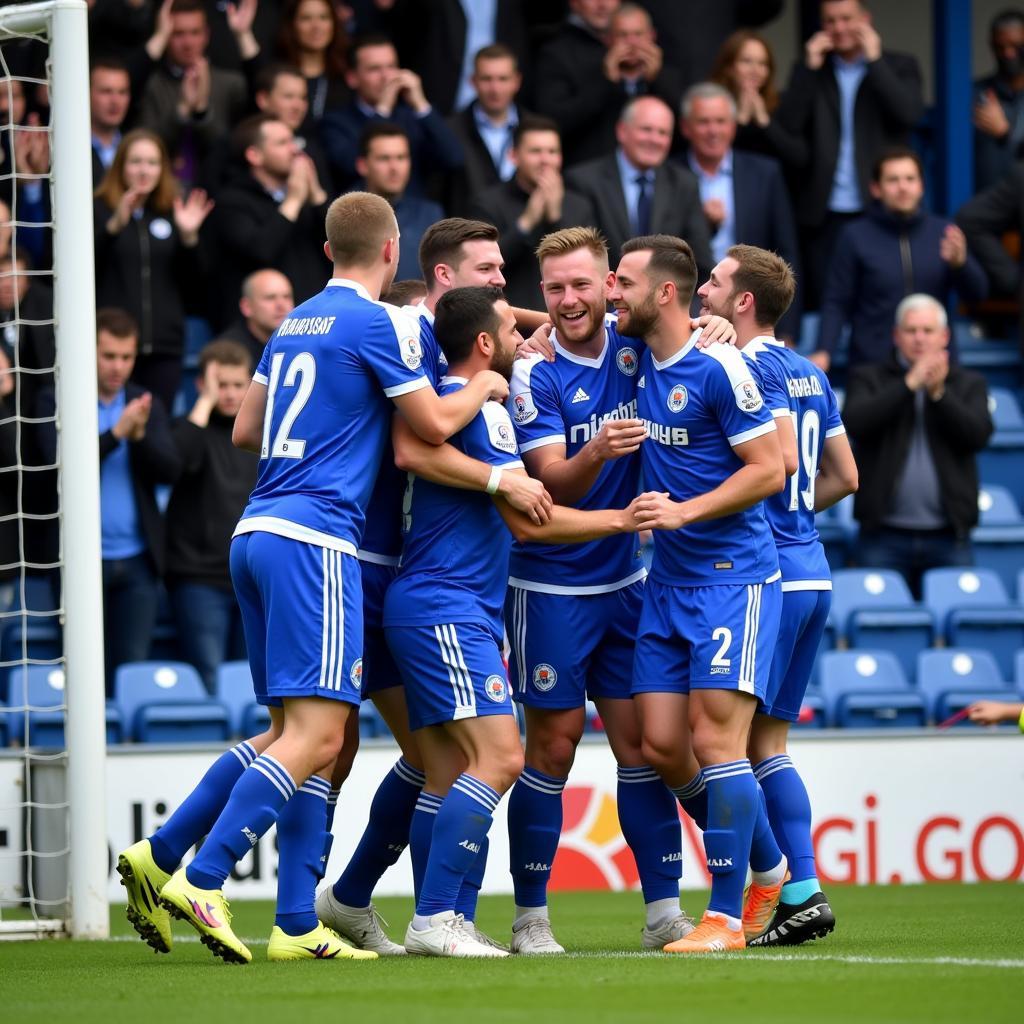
{"x":301,"y":369}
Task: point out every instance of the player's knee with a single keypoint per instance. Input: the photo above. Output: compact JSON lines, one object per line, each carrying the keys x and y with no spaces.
{"x":712,"y":745}
{"x":658,"y":750}
{"x":553,"y":754}
{"x":507,"y":766}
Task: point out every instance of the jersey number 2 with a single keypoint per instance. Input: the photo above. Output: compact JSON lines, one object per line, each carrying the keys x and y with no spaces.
{"x":303,"y":369}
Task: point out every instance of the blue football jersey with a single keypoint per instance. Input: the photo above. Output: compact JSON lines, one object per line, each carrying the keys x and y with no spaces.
{"x":455,"y":562}
{"x":815,"y":415}
{"x":435,"y":364}
{"x":697,"y":406}
{"x":567,"y":402}
{"x":329,"y":370}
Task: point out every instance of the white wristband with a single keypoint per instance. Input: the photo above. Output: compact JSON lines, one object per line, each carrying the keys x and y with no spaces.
{"x":494,"y":481}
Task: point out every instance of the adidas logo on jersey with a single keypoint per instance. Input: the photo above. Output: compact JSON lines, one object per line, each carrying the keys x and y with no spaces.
{"x":251,"y":836}
{"x":533,"y":866}
{"x":468,"y":844}
{"x":642,"y":382}
{"x":580,"y":396}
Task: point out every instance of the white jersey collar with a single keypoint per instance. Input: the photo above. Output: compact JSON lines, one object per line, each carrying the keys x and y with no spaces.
{"x":675,"y":357}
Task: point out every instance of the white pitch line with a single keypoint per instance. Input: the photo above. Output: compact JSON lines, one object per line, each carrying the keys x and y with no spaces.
{"x":757,"y":956}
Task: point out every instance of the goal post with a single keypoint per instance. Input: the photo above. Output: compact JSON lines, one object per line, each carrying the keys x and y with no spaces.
{"x":63,"y":23}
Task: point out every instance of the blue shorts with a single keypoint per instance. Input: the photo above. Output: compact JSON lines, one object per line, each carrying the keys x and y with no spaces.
{"x":451,"y":672}
{"x":379,"y":669}
{"x":302,"y":609}
{"x":567,"y":647}
{"x":804,"y":613}
{"x":706,"y":638}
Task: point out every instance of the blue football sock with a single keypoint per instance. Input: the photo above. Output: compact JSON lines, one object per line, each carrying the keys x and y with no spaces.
{"x":385,"y":837}
{"x":459,"y":829}
{"x":255,"y":802}
{"x":693,"y":798}
{"x":469,"y":891}
{"x":332,"y":807}
{"x":732,"y":810}
{"x":789,"y":811}
{"x":196,"y":815}
{"x":300,"y":852}
{"x":764,"y":850}
{"x":650,"y":824}
{"x":534,"y":826}
{"x":421,"y":832}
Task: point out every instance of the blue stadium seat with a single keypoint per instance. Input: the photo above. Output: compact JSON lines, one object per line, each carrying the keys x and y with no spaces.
{"x":952,"y":678}
{"x":1018,"y":674}
{"x":255,"y":720}
{"x":997,"y":359}
{"x":973,"y":609}
{"x":36,"y":699}
{"x":868,"y":690}
{"x":34,"y":636}
{"x":234,"y":690}
{"x":874,"y":608}
{"x":166,"y":702}
{"x":999,"y":538}
{"x":812,"y":711}
{"x":1000,"y":461}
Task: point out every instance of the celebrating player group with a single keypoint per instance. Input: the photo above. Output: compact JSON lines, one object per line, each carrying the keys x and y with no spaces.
{"x":433,"y":493}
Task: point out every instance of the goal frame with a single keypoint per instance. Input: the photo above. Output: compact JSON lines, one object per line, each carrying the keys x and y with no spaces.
{"x":74,"y":327}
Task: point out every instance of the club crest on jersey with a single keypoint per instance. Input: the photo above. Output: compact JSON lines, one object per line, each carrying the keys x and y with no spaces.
{"x":627,"y":361}
{"x":544,"y":678}
{"x":496,"y":689}
{"x":412,"y":353}
{"x":523,"y":409}
{"x":356,"y":674}
{"x":748,"y":398}
{"x":502,"y":437}
{"x":677,"y":398}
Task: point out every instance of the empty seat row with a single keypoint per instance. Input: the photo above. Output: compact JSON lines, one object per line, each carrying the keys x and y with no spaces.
{"x":869,"y":689}
{"x":154,"y":702}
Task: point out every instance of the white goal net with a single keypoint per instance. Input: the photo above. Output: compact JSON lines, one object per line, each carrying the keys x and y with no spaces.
{"x":53,"y":849}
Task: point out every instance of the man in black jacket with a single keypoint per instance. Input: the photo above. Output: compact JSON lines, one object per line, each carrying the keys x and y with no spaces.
{"x":850,"y":101}
{"x":136,"y":453}
{"x":600,"y":60}
{"x":206,"y":503}
{"x":272,"y":216}
{"x":534,"y":203}
{"x":917,"y":423}
{"x":486,"y":127}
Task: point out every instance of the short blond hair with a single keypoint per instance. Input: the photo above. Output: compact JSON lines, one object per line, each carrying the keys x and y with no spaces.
{"x":357,"y":225}
{"x":561,"y":243}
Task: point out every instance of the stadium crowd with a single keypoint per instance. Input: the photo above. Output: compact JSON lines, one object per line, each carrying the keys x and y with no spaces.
{"x":221,"y":132}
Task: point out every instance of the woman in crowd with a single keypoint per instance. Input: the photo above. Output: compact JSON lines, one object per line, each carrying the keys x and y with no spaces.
{"x":312,"y":38}
{"x":147,"y":258}
{"x":746,"y":67}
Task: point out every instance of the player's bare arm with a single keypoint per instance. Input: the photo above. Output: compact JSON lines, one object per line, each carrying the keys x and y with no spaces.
{"x":435,"y":419}
{"x":838,"y":476}
{"x":761,"y":474}
{"x":787,"y":443}
{"x":569,"y":480}
{"x":566,"y":525}
{"x":247,"y":432}
{"x":445,"y":464}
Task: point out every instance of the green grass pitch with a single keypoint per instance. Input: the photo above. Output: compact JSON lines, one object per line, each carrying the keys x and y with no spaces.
{"x":917,"y":953}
